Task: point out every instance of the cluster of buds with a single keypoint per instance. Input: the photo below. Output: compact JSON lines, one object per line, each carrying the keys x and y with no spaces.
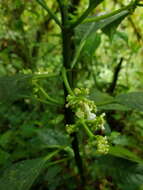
{"x":101,"y":144}
{"x":81,"y":105}
{"x":86,"y":109}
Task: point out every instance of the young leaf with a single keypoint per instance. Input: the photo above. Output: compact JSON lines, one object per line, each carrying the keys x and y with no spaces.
{"x":22,"y":175}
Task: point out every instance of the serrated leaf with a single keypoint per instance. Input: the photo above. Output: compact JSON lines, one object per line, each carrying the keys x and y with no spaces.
{"x":22,"y":175}
{"x":133,"y":100}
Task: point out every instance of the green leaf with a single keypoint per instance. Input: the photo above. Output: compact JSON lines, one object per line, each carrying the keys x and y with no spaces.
{"x":100,"y":98}
{"x":110,"y":29}
{"x":95,"y":23}
{"x":14,"y":87}
{"x":125,"y":174}
{"x":5,"y":138}
{"x":121,"y":35}
{"x":95,"y":2}
{"x":91,"y":44}
{"x":132,"y":100}
{"x":53,"y":137}
{"x":54,"y":172}
{"x":83,"y":31}
{"x":18,"y":86}
{"x":114,"y":106}
{"x":4,"y":156}
{"x":22,"y":175}
{"x":122,"y":152}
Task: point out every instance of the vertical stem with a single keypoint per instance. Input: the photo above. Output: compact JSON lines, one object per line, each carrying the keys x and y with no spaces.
{"x":68,"y":51}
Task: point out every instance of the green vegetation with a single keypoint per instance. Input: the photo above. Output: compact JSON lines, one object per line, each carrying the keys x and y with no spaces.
{"x":71,"y":95}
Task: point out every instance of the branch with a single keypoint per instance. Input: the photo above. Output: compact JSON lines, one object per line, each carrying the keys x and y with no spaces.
{"x":53,"y":16}
{"x":64,"y":75}
{"x":112,"y":87}
{"x":82,"y":17}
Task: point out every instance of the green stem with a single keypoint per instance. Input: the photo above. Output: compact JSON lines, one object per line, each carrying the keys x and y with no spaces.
{"x":87,"y":130}
{"x":47,"y":96}
{"x":49,"y":156}
{"x":82,"y":17}
{"x":44,"y":75}
{"x":43,"y":4}
{"x":58,"y":161}
{"x":45,"y":102}
{"x":64,"y":75}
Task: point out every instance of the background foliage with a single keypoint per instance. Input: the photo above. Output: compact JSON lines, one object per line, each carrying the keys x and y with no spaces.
{"x":108,"y":60}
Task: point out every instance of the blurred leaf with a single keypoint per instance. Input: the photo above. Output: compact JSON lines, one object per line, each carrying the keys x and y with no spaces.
{"x":95,"y":2}
{"x":6,"y":138}
{"x":92,"y":44}
{"x":4,"y":156}
{"x":14,"y":87}
{"x":122,"y":140}
{"x":83,"y":31}
{"x":110,"y":29}
{"x":122,"y":152}
{"x":121,"y":35}
{"x":53,"y":173}
{"x":22,"y":175}
{"x":53,"y":137}
{"x":126,"y":174}
{"x":18,"y":86}
{"x":133,"y":100}
{"x":100,"y":98}
{"x":114,"y":106}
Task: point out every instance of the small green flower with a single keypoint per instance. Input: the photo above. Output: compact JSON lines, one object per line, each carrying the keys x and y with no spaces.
{"x":102,"y":144}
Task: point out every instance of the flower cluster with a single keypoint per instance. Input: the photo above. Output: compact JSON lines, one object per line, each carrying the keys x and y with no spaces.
{"x":81,"y":105}
{"x":102,"y":144}
{"x":85,"y":110}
